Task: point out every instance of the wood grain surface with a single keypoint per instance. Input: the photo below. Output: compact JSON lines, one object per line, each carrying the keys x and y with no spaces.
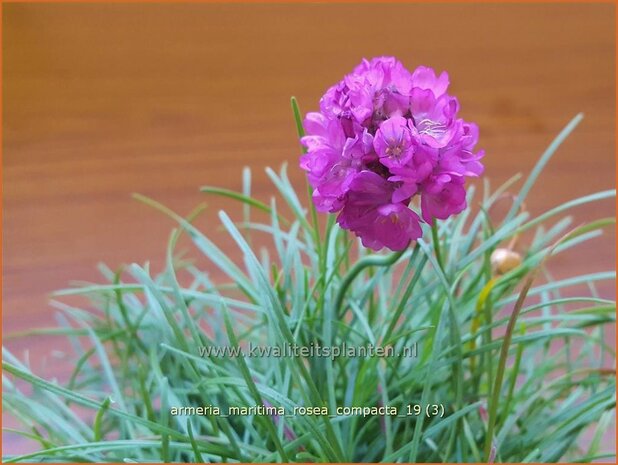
{"x":102,"y":100}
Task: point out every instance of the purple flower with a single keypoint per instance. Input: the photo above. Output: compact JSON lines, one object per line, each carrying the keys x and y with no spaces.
{"x":383,"y":138}
{"x":393,"y":142}
{"x":370,"y":214}
{"x":410,"y":176}
{"x":425,"y":78}
{"x":443,"y":196}
{"x":434,"y":118}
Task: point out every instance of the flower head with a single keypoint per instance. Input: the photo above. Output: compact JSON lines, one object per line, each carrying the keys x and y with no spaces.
{"x":384,"y":137}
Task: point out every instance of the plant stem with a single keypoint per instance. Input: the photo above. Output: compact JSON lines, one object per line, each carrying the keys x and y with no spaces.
{"x":504,"y":350}
{"x":371,"y":260}
{"x":514,"y":373}
{"x":508,"y":336}
{"x":436,"y":244}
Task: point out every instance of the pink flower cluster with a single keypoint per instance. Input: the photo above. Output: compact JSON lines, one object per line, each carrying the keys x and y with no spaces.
{"x":382,"y":136}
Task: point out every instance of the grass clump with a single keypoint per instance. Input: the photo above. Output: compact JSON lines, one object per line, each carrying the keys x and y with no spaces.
{"x":507,"y":368}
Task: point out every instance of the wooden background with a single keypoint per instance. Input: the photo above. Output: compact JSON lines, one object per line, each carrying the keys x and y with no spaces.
{"x":104,"y":100}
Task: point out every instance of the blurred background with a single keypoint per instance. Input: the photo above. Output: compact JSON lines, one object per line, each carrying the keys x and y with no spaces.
{"x":103,"y":100}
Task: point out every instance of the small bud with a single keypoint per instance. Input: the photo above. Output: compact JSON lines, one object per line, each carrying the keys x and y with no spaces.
{"x":504,"y":260}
